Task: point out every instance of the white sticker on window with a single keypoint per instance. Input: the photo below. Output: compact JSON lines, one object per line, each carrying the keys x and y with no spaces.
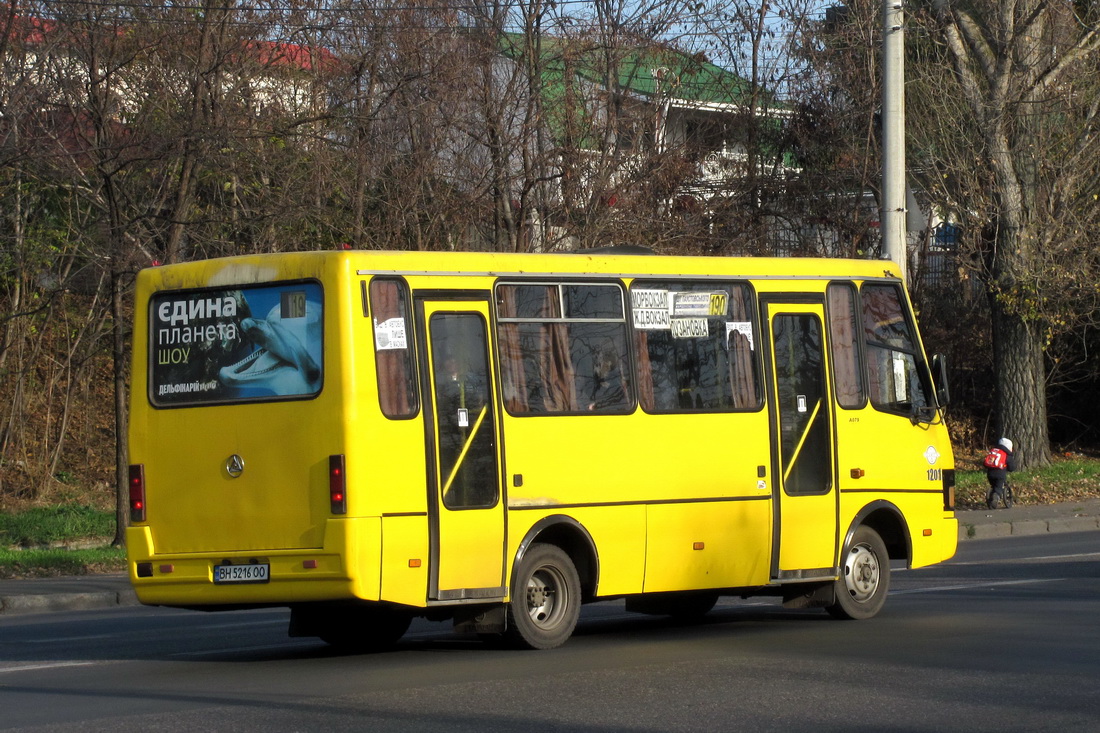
{"x":650,"y":309}
{"x":742,"y":327}
{"x":699,"y":304}
{"x":390,"y":334}
{"x":690,"y":328}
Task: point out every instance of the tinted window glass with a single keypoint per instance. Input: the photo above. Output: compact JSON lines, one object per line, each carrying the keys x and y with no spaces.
{"x":531,"y":301}
{"x":844,"y":345}
{"x":464,"y":409}
{"x":573,"y":363}
{"x":803,"y":411}
{"x":896,"y":377}
{"x":592,"y":301}
{"x":696,"y":345}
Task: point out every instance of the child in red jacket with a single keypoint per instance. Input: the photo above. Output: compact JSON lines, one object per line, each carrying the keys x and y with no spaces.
{"x":999,"y":461}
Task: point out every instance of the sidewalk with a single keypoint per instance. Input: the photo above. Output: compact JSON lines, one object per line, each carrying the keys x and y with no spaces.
{"x":75,"y":593}
{"x":1071,"y":516}
{"x":43,"y":595}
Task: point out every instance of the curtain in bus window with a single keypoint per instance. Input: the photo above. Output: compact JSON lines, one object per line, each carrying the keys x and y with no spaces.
{"x":397,"y":395}
{"x":644,"y":370}
{"x":743,"y":365}
{"x":843,"y":344}
{"x":513,"y":376}
{"x":536,"y":365}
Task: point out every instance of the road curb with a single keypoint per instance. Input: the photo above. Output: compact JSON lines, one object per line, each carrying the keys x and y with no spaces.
{"x":1026,"y":528}
{"x":12,"y":605}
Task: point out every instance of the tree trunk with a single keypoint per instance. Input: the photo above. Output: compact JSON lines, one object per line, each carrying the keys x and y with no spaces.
{"x":1018,"y":366}
{"x":1021,"y":386}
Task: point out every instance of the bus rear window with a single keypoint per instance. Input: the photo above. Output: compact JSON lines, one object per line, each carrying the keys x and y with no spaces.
{"x":251,"y":343}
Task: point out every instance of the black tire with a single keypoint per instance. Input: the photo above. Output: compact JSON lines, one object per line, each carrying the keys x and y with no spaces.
{"x":546,"y":599}
{"x":365,"y":629}
{"x":864,"y":580}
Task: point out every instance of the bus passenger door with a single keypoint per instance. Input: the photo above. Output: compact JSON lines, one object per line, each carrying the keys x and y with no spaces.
{"x":803,"y":484}
{"x":465,"y":506}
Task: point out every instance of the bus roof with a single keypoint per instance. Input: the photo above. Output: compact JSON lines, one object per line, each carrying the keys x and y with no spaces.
{"x":257,"y":268}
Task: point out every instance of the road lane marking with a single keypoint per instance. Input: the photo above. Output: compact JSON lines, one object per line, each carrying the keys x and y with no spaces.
{"x":1021,"y":560}
{"x":46,"y":665}
{"x":65,"y":639}
{"x":969,"y":586}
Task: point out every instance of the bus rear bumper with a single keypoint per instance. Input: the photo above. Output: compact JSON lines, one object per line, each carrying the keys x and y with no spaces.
{"x":281,"y":577}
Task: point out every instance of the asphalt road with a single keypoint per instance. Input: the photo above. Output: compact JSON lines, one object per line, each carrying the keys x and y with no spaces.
{"x":1004,"y":637}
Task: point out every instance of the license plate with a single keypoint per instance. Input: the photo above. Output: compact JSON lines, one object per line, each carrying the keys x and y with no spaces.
{"x":259,"y":573}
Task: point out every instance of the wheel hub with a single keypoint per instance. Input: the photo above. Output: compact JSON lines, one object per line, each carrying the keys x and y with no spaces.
{"x":861,"y":573}
{"x":541,"y":597}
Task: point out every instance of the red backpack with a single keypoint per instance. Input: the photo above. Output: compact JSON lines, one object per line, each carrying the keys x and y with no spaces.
{"x":996,"y":458}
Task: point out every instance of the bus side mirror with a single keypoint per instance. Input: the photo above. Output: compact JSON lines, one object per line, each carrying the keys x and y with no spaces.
{"x":939,"y":375}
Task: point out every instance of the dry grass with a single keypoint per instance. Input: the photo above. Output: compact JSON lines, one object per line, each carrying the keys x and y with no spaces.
{"x":1070,"y":477}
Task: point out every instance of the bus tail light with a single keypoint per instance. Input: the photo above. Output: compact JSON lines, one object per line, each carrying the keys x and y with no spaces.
{"x":137,"y":492}
{"x":337,"y":485}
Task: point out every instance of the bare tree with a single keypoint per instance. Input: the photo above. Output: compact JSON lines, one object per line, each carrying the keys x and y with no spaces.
{"x":1027,"y":126}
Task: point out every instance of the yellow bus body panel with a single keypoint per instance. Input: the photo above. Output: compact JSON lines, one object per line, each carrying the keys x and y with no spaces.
{"x":618,"y":532}
{"x":405,"y":560}
{"x":708,"y":545}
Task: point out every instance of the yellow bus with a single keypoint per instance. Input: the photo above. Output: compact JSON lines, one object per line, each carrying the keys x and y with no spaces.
{"x":367,"y":437}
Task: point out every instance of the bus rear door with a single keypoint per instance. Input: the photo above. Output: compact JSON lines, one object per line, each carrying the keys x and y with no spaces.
{"x":465,"y":505}
{"x":804,"y":487}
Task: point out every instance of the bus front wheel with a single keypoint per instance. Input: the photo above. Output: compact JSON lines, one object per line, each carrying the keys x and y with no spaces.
{"x":864,"y":577}
{"x":546,"y":599}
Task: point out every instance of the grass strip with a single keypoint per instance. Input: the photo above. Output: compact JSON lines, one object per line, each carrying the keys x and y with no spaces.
{"x":62,"y":523}
{"x":43,"y":563}
{"x":1065,"y":479}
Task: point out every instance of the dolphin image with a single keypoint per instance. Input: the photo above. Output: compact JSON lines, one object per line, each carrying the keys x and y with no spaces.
{"x":281,"y":362}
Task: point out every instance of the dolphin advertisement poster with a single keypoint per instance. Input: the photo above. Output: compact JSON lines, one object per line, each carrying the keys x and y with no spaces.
{"x":228,"y":345}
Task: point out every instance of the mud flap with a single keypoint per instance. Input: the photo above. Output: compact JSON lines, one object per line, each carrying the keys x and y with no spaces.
{"x":481,"y":620}
{"x":816,"y":596}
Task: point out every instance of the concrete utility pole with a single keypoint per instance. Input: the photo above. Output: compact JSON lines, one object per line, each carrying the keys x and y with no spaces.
{"x":893,"y":136}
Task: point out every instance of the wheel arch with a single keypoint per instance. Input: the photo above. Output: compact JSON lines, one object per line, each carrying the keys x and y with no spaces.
{"x":571,"y":536}
{"x":887,"y":520}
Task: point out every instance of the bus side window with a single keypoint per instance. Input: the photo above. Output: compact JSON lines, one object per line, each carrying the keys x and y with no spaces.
{"x":895,"y":382}
{"x":844,"y":345}
{"x":563,"y":348}
{"x":397,"y":391}
{"x":696,"y":346}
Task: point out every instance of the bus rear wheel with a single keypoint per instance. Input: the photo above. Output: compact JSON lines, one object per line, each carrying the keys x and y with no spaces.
{"x":546,"y":599}
{"x":864,"y":577}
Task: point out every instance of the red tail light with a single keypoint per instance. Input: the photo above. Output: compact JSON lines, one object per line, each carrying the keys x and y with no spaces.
{"x":137,"y":492}
{"x":337,"y":485}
